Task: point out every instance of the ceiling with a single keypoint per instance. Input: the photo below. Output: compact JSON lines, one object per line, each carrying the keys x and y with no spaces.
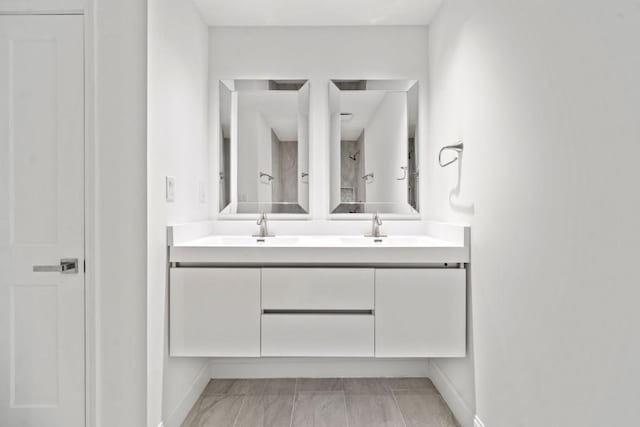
{"x":279,"y":110}
{"x":362,"y":105}
{"x":246,"y":13}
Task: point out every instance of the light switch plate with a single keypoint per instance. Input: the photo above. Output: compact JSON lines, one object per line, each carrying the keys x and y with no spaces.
{"x":170,"y":189}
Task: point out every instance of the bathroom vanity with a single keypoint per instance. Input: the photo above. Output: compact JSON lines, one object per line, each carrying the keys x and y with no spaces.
{"x":318,"y":295}
{"x":331,"y":287}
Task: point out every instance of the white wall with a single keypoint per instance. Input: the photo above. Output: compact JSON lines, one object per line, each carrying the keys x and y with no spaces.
{"x":116,"y":73}
{"x":546,"y":98}
{"x":178,"y":147}
{"x":263,"y":151}
{"x":249,"y":142}
{"x":386,"y":141}
{"x":316,"y":54}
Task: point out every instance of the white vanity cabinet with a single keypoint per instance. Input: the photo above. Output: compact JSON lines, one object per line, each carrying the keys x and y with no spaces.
{"x":420,"y":312}
{"x":214,"y":312}
{"x":318,"y":312}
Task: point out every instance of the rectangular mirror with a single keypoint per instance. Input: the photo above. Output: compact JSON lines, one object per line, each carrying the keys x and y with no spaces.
{"x":264,"y":146}
{"x":374,"y":146}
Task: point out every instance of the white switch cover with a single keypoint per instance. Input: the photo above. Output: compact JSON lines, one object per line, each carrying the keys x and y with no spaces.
{"x":202,"y":192}
{"x":170,"y":189}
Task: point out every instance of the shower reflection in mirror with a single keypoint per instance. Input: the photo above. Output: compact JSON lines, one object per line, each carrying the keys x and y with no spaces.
{"x":264,"y":146}
{"x":374,"y":146}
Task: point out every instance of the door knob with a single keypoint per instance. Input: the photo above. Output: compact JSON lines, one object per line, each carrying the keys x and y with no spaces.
{"x":66,"y":266}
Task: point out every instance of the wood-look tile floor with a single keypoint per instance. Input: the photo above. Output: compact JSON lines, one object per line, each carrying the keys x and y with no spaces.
{"x":323,"y":402}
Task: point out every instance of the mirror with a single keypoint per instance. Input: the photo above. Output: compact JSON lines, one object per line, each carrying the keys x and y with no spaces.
{"x":264,"y":146}
{"x":374,"y":146}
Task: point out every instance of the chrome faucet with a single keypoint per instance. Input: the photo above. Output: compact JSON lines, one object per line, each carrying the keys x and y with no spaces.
{"x":264,"y":228}
{"x":375,"y":226}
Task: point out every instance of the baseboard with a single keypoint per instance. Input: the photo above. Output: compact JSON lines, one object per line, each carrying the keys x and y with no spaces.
{"x":477,"y":422}
{"x":456,"y":403}
{"x":182,"y":410}
{"x":317,"y":368}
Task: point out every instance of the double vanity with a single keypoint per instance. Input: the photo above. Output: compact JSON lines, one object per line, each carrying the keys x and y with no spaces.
{"x":299,"y":286}
{"x":318,"y":295}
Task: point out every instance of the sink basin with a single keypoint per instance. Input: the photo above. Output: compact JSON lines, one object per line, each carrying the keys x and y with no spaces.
{"x":390,"y":241}
{"x":246,"y":241}
{"x":319,"y":242}
{"x":276,"y":241}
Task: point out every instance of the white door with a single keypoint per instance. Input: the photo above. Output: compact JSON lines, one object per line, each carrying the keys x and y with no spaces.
{"x":41,"y":221}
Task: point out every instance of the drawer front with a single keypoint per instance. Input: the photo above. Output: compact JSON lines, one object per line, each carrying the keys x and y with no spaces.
{"x":214,"y":312}
{"x":317,"y":335}
{"x":317,"y":288}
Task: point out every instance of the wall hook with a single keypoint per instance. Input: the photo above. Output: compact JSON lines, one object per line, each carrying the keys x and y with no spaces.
{"x":458,"y":148}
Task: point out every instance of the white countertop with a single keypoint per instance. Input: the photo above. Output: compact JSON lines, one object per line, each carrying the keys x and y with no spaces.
{"x":338,"y":250}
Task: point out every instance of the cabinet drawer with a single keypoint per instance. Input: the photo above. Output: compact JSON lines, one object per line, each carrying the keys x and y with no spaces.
{"x":317,"y":288}
{"x":317,"y":335}
{"x":214,"y":312}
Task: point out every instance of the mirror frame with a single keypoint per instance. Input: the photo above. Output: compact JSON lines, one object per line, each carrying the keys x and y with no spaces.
{"x":416,"y":216}
{"x":221,"y":215}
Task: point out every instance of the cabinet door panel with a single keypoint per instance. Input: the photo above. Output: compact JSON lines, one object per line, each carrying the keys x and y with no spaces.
{"x":420,"y":312}
{"x":214,"y":312}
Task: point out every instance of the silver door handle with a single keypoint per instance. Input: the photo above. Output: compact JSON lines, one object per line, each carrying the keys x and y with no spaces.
{"x":66,"y":266}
